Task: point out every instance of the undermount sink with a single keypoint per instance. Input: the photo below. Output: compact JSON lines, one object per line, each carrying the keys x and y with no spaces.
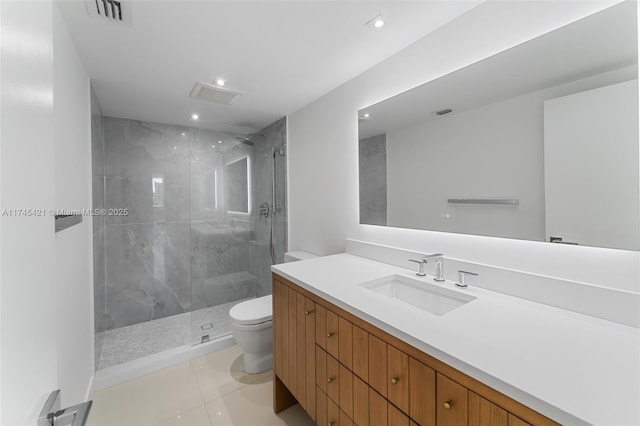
{"x":428,"y":297}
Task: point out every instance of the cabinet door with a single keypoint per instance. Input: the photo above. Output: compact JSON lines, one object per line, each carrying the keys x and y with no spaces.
{"x":378,"y":365}
{"x":277,"y":328}
{"x":396,"y":417}
{"x":360,"y":402}
{"x":345,"y":343}
{"x":333,"y":327}
{"x":300,"y":354}
{"x":346,"y":390}
{"x":483,"y":412}
{"x":284,"y":328}
{"x":451,"y":402}
{"x":360,"y":342}
{"x":310,"y":356}
{"x":422,"y":393}
{"x":398,"y":377}
{"x":293,"y":344}
{"x":333,"y":378}
{"x":377,"y":408}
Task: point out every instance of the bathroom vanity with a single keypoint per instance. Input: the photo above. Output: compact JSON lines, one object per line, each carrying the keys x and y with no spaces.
{"x":351,"y":351}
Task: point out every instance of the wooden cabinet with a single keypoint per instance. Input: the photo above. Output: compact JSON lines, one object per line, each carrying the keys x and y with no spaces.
{"x":345,"y":371}
{"x":294,"y":347}
{"x":378,"y":365}
{"x":398,"y":378}
{"x":451,"y":402}
{"x":422,"y":393}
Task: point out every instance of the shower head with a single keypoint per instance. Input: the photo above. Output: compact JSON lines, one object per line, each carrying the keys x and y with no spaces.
{"x":245,"y":140}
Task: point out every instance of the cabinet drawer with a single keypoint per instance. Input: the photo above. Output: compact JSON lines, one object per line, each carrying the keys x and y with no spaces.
{"x":378,"y":407}
{"x":321,"y":326}
{"x":378,"y":365}
{"x":321,"y":407}
{"x":333,"y":327}
{"x":398,"y":378}
{"x":333,"y":413}
{"x":321,"y":368}
{"x":396,"y":417}
{"x":422,"y":393}
{"x":360,"y":402}
{"x":360,"y":343}
{"x":333,"y":379}
{"x":346,"y":390}
{"x":483,"y":412}
{"x":345,"y":343}
{"x":451,"y":402}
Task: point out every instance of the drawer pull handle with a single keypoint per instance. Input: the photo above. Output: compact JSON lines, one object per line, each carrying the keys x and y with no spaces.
{"x":329,"y":335}
{"x":330,"y":423}
{"x":330,"y":379}
{"x":308,"y":312}
{"x":448,"y":405}
{"x":395,"y":380}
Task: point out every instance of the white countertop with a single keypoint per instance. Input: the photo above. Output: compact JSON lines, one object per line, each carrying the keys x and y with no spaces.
{"x":570,"y":367}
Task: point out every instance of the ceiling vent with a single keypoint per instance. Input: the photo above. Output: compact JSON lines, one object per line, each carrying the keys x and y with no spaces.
{"x":212,"y":93}
{"x":116,"y":11}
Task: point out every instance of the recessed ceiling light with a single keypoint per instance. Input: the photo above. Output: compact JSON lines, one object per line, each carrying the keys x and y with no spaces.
{"x":221,"y":81}
{"x":194,"y":116}
{"x":366,"y":115}
{"x":219,"y":141}
{"x":376,"y":22}
{"x":184,"y":134}
{"x":213,"y":146}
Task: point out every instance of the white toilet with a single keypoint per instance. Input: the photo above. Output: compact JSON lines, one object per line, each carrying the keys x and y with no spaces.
{"x":252,"y":328}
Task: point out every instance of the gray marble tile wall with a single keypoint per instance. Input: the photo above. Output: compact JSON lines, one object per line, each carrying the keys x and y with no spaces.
{"x":97,"y":168}
{"x":373,"y":180}
{"x":271,"y":138}
{"x":178,"y":249}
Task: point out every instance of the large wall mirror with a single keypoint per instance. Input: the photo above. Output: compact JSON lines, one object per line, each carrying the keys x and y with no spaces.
{"x":539,"y":142}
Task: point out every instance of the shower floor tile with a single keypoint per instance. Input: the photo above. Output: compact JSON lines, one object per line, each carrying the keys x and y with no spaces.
{"x":136,"y":341}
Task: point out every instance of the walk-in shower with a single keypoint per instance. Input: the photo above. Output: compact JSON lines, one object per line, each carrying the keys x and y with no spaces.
{"x":194,"y":241}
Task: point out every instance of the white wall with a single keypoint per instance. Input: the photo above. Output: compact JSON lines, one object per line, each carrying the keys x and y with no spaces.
{"x":593,"y":201}
{"x":323,"y":178}
{"x":74,"y":248}
{"x":28,"y":369}
{"x":46,"y":317}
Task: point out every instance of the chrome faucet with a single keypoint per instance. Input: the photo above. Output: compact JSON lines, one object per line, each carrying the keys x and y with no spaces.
{"x":461,"y":278}
{"x":420,"y":263}
{"x":439,"y":274}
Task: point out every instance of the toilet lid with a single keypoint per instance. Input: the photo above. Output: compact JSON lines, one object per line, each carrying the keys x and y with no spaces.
{"x":254,"y":311}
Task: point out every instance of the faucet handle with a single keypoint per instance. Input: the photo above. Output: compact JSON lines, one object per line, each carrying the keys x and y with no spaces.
{"x":420,"y":263}
{"x":461,"y":278}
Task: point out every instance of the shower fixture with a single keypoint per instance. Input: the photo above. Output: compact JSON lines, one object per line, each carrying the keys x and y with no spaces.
{"x":247,"y":139}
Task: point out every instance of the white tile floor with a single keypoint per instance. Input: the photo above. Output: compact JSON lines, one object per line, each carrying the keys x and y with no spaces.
{"x":212,"y":390}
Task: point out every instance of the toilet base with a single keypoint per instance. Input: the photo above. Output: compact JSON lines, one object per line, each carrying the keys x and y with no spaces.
{"x":257,"y":363}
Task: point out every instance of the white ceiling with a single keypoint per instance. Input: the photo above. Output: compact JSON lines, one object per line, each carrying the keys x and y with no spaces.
{"x":281,"y":54}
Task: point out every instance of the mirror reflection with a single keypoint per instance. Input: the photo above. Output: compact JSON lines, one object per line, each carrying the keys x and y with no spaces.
{"x":539,"y":142}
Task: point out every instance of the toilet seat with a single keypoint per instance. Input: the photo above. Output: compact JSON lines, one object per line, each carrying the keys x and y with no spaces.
{"x":251,"y":312}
